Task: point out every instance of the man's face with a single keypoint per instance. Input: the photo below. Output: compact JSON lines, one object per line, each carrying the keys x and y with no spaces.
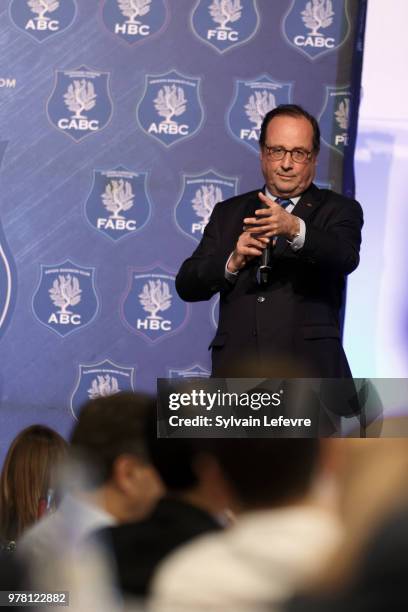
{"x":287,"y":178}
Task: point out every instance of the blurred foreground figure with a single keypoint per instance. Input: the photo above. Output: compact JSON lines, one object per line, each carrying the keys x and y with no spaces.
{"x":368,"y":572}
{"x":380,"y":580}
{"x":28,"y":481}
{"x":282,"y":533}
{"x":109,"y":480}
{"x":194,"y":504}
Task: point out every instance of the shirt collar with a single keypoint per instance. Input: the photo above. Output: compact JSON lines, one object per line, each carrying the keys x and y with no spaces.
{"x":88,"y":514}
{"x":272,"y":197}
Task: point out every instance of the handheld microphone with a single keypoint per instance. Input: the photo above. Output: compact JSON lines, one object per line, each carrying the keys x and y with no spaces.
{"x":264,"y":266}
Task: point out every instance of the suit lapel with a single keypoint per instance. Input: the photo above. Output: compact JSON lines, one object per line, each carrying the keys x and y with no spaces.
{"x":310,"y":201}
{"x":253,"y":203}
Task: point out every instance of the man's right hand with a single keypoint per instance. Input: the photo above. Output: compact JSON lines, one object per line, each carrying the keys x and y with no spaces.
{"x":247,"y":247}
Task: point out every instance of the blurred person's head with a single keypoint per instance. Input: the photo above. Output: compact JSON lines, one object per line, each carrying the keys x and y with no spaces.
{"x":29,"y":474}
{"x":265,"y":473}
{"x":188,"y":471}
{"x":109,"y":439}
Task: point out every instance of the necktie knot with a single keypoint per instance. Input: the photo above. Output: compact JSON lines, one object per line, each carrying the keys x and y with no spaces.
{"x":283,"y":202}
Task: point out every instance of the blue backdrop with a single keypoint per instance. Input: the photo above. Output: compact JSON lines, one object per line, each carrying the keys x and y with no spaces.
{"x":123,"y":123}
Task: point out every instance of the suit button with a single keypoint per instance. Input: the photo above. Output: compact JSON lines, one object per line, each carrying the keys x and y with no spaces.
{"x":260,"y":299}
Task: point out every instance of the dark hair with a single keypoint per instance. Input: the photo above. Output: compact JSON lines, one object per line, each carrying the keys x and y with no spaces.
{"x":175,"y":458}
{"x":268,"y":472}
{"x":111,"y":426}
{"x":290,"y":110}
{"x":28,"y":472}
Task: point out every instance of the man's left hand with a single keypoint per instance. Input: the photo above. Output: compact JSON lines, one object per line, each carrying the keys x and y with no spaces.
{"x":272,"y":221}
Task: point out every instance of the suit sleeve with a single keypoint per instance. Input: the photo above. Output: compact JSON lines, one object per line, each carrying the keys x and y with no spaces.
{"x":203,"y":274}
{"x":336,"y":246}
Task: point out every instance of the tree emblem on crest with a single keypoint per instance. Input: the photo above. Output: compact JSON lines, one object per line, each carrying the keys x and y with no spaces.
{"x":343,"y":113}
{"x":102,"y":386}
{"x":80,"y":96}
{"x":258,"y":105}
{"x":118,"y":197}
{"x":170,"y":102}
{"x":40,"y":7}
{"x":318,"y":14}
{"x":205,"y":199}
{"x":65,"y":291}
{"x":225,"y":11}
{"x":134,"y":8}
{"x":155,"y":297}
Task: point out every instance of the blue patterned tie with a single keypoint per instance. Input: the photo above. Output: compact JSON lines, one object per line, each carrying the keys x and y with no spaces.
{"x":284,"y":203}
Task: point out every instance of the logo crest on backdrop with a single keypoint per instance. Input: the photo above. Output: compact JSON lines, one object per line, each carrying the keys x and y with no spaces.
{"x":225,"y":24}
{"x":315,"y":27}
{"x":42,"y":19}
{"x":8,"y":280}
{"x":99,"y":380}
{"x":135,"y":20}
{"x":252,"y":100}
{"x":80,"y":103}
{"x":151,"y":306}
{"x":200,"y":193}
{"x":335,"y":117}
{"x":118,"y":204}
{"x":194,"y":371}
{"x":170,"y":109}
{"x":65,"y":299}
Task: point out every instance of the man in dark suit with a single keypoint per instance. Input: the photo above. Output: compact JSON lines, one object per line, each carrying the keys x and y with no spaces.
{"x":285,"y":306}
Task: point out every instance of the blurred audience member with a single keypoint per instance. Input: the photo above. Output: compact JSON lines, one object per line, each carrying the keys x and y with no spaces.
{"x":368,"y":572}
{"x":196,"y":501}
{"x":28,"y":481}
{"x":282,"y":532}
{"x":378,"y":583}
{"x":110,"y":479}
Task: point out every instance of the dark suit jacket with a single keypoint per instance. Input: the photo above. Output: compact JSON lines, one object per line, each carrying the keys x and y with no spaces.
{"x":297,"y":315}
{"x":139,"y":547}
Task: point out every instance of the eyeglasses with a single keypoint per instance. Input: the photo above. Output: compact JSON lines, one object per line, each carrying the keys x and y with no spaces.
{"x":298,"y":155}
